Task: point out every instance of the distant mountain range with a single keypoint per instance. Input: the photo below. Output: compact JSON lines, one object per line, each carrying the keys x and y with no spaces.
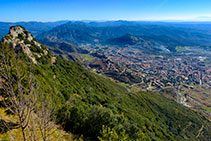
{"x":34,"y":27}
{"x":168,"y":34}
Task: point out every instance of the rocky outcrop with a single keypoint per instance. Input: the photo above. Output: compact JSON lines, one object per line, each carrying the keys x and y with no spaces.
{"x":22,"y":40}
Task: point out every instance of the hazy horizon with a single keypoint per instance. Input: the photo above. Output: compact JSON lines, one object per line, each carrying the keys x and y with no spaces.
{"x":87,"y":20}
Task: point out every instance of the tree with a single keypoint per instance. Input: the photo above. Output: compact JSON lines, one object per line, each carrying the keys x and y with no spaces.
{"x":44,"y":117}
{"x":33,"y":111}
{"x":18,"y":88}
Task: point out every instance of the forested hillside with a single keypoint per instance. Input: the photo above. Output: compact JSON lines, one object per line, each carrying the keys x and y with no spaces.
{"x":85,"y":104}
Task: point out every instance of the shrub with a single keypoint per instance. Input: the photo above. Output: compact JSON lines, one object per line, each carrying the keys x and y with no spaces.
{"x":27,"y":41}
{"x":20,"y":36}
{"x":108,"y":134}
{"x":36,"y":49}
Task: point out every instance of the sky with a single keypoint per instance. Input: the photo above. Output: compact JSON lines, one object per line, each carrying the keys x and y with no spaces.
{"x":133,"y":10}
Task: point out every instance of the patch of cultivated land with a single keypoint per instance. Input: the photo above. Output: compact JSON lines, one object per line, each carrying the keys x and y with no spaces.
{"x":200,"y":98}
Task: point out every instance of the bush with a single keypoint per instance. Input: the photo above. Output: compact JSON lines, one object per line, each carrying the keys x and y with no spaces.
{"x":21,"y":36}
{"x":108,"y":134}
{"x":36,"y":49}
{"x":27,"y":41}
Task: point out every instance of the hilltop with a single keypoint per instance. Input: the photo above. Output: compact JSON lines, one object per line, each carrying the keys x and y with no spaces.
{"x":22,"y":41}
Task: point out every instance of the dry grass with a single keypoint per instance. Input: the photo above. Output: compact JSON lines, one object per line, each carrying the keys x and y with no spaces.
{"x":56,"y":134}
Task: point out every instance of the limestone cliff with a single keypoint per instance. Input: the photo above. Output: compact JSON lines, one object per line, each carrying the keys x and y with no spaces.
{"x":20,"y":39}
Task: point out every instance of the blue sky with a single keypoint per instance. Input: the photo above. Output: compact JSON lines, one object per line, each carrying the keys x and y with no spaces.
{"x":53,"y":10}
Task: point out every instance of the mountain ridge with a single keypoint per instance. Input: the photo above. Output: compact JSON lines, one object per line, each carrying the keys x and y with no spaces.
{"x":97,"y":33}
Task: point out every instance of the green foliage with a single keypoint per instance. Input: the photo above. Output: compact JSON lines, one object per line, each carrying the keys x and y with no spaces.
{"x":25,"y":32}
{"x":43,"y":47}
{"x":158,"y":117}
{"x":15,"y":68}
{"x":21,"y":36}
{"x":109,"y":134}
{"x":27,"y":41}
{"x":132,"y":116}
{"x":8,"y":37}
{"x":206,"y":108}
{"x":43,"y":59}
{"x":6,"y":138}
{"x":34,"y":39}
{"x":35,"y":48}
{"x":182,"y":49}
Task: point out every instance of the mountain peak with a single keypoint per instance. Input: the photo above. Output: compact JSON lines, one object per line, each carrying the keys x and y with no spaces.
{"x":22,"y":40}
{"x":18,"y":33}
{"x":16,"y":29}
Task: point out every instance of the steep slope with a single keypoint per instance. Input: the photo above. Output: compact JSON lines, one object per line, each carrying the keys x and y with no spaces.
{"x":63,"y":46}
{"x":85,"y":101}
